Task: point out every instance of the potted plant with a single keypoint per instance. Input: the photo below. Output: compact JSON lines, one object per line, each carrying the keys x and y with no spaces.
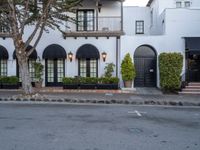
{"x":108,"y":83}
{"x":128,"y":71}
{"x":70,"y":83}
{"x":38,"y":74}
{"x":11,"y":82}
{"x":88,"y":82}
{"x":109,"y":69}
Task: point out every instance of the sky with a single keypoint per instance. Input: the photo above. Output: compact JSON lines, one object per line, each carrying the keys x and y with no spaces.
{"x":135,"y":2}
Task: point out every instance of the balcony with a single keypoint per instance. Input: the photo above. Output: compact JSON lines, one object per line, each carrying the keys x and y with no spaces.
{"x":95,"y":27}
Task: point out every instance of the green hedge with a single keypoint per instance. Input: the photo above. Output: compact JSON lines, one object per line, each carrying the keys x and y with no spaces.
{"x":91,"y":80}
{"x":170,"y":65}
{"x":107,"y":80}
{"x":9,"y":80}
{"x":88,"y":80}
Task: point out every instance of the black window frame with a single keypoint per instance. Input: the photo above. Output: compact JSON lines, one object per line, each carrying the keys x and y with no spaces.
{"x":136,"y":26}
{"x":55,"y":81}
{"x":178,"y":2}
{"x":88,"y":67}
{"x":6,"y":68}
{"x":85,"y":22}
{"x":185,"y":4}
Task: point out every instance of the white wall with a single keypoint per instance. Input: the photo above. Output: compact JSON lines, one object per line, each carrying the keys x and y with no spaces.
{"x":131,"y":15}
{"x":69,"y":44}
{"x":182,"y":22}
{"x":159,"y":43}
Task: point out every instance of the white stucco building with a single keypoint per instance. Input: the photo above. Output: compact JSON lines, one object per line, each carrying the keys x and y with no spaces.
{"x":108,"y":27}
{"x":162,"y":26}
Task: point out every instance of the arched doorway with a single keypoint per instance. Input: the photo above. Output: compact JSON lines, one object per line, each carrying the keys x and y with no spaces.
{"x":54,"y":56}
{"x":145,"y":60}
{"x":88,"y":56}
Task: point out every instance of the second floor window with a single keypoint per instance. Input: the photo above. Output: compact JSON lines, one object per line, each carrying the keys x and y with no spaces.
{"x":187,"y":4}
{"x":139,"y":27}
{"x":85,"y":20}
{"x":178,"y":4}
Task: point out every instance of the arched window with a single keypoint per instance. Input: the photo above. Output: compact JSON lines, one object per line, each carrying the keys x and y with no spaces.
{"x":3,"y":61}
{"x":88,"y":56}
{"x":54,"y":56}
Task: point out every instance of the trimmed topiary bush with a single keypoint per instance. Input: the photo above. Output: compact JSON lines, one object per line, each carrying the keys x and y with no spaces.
{"x":170,"y":65}
{"x":128,"y":68}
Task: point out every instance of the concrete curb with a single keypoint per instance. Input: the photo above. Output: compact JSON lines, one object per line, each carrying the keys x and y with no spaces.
{"x":103,"y":101}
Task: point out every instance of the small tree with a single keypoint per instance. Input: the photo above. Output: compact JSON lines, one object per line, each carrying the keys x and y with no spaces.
{"x":109,"y":69}
{"x":128,"y":68}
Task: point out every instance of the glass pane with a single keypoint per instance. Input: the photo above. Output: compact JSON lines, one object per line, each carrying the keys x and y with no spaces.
{"x":60,"y":69}
{"x":93,"y":68}
{"x":3,"y":67}
{"x":80,"y":20}
{"x":83,"y":68}
{"x":90,"y":20}
{"x":31,"y":69}
{"x":50,"y":71}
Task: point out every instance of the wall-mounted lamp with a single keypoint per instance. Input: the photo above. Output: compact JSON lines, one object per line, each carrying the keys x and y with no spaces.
{"x":70,"y":55}
{"x":104,"y":55}
{"x":99,"y":6}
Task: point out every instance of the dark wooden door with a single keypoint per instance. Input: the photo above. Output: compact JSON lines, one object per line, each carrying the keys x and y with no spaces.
{"x":145,"y":72}
{"x":145,"y":60}
{"x":194,"y":69}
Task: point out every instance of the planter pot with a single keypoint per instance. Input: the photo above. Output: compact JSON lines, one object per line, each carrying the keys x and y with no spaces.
{"x":107,"y":86}
{"x":70,"y":86}
{"x":9,"y":86}
{"x":128,"y":84}
{"x":87,"y":86}
{"x":38,"y":84}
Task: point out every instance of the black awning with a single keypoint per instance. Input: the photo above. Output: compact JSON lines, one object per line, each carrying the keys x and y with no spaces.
{"x":32,"y":56}
{"x":54,"y":51}
{"x":3,"y":53}
{"x":192,"y":44}
{"x":87,"y":51}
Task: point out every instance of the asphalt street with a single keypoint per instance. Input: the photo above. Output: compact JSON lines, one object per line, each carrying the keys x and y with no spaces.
{"x":98,"y":127}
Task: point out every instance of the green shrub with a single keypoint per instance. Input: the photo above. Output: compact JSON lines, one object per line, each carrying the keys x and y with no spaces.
{"x":69,"y":80}
{"x":170,"y":65}
{"x":88,"y":80}
{"x":106,"y":80}
{"x":128,"y":68}
{"x":9,"y":80}
{"x":109,"y":69}
{"x":38,"y":71}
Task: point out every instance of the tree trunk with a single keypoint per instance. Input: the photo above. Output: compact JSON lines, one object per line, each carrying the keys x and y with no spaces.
{"x":25,"y":76}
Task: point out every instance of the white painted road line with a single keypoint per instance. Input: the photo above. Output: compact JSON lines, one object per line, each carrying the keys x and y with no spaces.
{"x":137,"y":113}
